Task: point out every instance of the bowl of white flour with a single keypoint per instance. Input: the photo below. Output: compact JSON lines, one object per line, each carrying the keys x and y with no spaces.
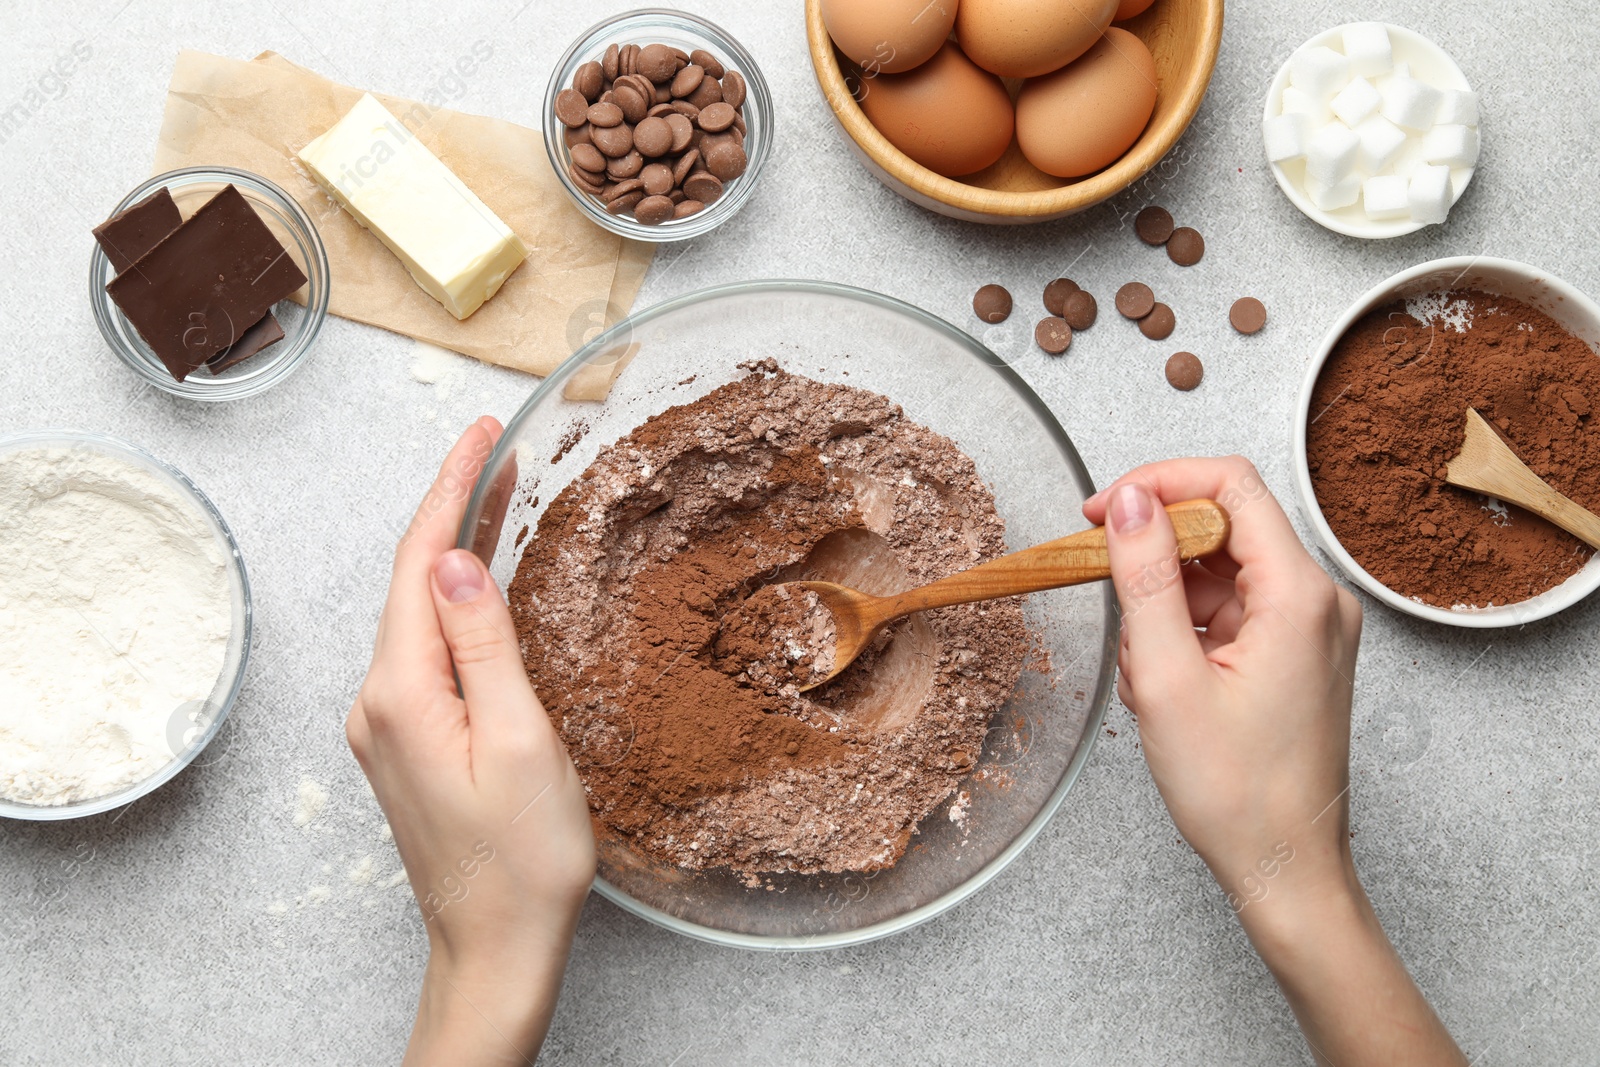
{"x":124,"y":623}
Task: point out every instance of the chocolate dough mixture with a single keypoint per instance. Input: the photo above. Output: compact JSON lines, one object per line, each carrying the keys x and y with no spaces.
{"x":628,"y":605}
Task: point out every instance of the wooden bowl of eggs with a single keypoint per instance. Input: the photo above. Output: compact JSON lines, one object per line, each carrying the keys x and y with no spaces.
{"x":1012,"y":111}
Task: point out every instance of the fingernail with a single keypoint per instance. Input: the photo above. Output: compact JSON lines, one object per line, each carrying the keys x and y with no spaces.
{"x":460,"y":575}
{"x":1131,"y":509}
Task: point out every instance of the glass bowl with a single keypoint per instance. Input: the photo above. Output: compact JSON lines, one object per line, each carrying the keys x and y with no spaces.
{"x":1038,"y":742}
{"x":688,"y":32}
{"x":301,"y":317}
{"x":193,"y":725}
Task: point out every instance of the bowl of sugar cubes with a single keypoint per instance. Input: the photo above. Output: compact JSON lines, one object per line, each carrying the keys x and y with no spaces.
{"x":1372,"y":130}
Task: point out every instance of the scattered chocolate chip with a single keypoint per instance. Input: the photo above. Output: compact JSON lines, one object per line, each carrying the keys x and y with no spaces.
{"x":1153,"y":225}
{"x":1159,"y":324}
{"x":1184,"y":371}
{"x":1186,"y":247}
{"x":992,"y":303}
{"x":1053,"y":335}
{"x":1081,"y":310}
{"x":1135,"y":300}
{"x":1248,"y":315}
{"x":1056,"y":293}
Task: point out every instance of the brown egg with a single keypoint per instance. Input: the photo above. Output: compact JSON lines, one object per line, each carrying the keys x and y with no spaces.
{"x":1086,"y":116}
{"x":889,"y":36}
{"x":1027,"y":38}
{"x":1129,"y":8}
{"x":947,"y":114}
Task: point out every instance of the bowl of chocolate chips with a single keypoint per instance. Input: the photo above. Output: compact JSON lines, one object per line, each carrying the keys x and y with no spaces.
{"x":658,"y":124}
{"x":658,"y":492}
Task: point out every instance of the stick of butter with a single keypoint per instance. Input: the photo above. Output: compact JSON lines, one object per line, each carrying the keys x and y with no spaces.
{"x":454,"y":246}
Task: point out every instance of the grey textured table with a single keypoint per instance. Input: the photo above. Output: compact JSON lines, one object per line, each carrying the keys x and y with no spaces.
{"x":202,"y":926}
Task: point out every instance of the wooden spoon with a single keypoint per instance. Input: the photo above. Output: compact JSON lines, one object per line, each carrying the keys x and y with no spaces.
{"x":1201,"y":525}
{"x":1487,"y":465}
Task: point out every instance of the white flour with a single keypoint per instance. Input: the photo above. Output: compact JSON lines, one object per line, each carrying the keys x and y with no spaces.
{"x":114,"y":616}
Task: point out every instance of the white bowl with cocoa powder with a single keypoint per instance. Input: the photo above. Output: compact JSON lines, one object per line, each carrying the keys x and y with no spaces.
{"x":1570,"y":309}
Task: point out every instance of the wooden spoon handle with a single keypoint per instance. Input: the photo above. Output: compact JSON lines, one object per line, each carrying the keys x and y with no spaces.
{"x":1202,"y":527}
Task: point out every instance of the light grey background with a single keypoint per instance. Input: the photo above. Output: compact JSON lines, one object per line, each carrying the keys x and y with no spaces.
{"x":150,"y":937}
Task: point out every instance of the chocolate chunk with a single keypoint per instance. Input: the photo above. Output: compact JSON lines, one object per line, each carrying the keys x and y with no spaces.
{"x":1081,"y":310}
{"x":1135,"y":300}
{"x":1248,"y":315}
{"x":1159,"y":324}
{"x":992,"y":303}
{"x":264,"y":334}
{"x":1153,"y":225}
{"x":1186,"y":247}
{"x":215,"y":276}
{"x":1184,"y":371}
{"x":1053,"y":335}
{"x":1056,"y":293}
{"x":134,"y":231}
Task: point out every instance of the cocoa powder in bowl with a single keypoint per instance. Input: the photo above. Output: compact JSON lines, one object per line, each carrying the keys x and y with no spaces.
{"x":1389,"y":412}
{"x":628,"y":603}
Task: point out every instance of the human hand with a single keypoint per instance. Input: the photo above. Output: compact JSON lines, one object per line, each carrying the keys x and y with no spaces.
{"x":1240,"y":669}
{"x":488,"y":813}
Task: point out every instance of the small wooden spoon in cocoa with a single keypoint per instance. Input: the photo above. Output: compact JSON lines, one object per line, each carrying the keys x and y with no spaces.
{"x":1201,"y":525}
{"x":1488,"y":465}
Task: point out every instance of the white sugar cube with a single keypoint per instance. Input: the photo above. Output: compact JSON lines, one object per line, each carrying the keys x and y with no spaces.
{"x":1318,"y":71}
{"x":1410,"y":103}
{"x":1285,"y":136}
{"x":1402,"y":69}
{"x":1331,"y":196}
{"x":1457,"y":107}
{"x":1331,"y":153}
{"x":1454,"y":146}
{"x":1355,"y":102}
{"x":1386,"y":197}
{"x":1314,"y":108}
{"x":1366,"y":45}
{"x":1381,"y":142}
{"x":1429,"y":194}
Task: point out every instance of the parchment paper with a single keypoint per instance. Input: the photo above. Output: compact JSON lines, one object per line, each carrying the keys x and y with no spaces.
{"x":577,"y":279}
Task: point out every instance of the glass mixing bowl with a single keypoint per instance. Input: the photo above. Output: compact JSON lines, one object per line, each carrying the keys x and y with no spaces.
{"x":680,"y":350}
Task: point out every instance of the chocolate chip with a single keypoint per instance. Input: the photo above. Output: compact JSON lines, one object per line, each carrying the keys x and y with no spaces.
{"x":708,"y":92}
{"x":590,"y":80}
{"x":714,"y":118}
{"x":992,"y":303}
{"x":708,"y":62}
{"x":653,"y":137}
{"x":633,"y":103}
{"x":626,"y":203}
{"x":602,"y":115}
{"x":585,"y":180}
{"x":733,"y":88}
{"x":685,"y":166}
{"x":682,"y":130}
{"x":1248,"y":315}
{"x":703,"y":187}
{"x":579,"y":135}
{"x":654,"y":210}
{"x":571,"y":107}
{"x":1186,"y":247}
{"x":688,"y":80}
{"x":1159,"y":324}
{"x":1056,"y":293}
{"x":727,"y":161}
{"x":589,"y":158}
{"x":1081,"y":310}
{"x":1135,"y":300}
{"x":1053,"y":335}
{"x":657,"y":178}
{"x":1153,"y":225}
{"x":623,"y":188}
{"x":1184,"y":371}
{"x":613,"y":140}
{"x":657,"y":63}
{"x":609,"y":65}
{"x":685,"y":208}
{"x":625,"y":167}
{"x":628,"y":61}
